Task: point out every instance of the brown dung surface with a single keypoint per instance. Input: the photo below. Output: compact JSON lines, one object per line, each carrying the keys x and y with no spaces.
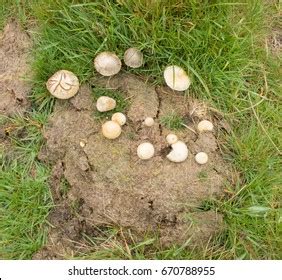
{"x":14,"y":49}
{"x":112,"y":186}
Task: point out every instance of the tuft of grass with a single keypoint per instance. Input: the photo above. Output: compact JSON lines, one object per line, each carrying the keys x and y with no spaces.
{"x":172,"y":121}
{"x":223,"y":47}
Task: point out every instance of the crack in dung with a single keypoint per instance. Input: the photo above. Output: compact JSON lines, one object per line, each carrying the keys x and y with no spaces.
{"x":159,"y":109}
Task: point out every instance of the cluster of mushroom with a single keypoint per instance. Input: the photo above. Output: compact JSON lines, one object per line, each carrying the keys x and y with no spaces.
{"x":64,"y":85}
{"x":179,"y":151}
{"x":110,"y":129}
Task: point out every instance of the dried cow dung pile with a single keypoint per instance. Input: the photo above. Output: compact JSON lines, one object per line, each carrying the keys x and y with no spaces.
{"x":112,"y":186}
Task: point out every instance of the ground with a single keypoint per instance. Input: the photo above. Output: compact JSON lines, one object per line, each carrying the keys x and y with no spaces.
{"x":60,"y":200}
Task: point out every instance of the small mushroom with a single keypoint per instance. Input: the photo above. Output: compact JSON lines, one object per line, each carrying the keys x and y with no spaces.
{"x":107,"y":63}
{"x":171,"y":138}
{"x":82,"y":144}
{"x":105,"y":103}
{"x":176,"y":78}
{"x":111,"y":130}
{"x":119,"y":118}
{"x":201,"y":158}
{"x":145,"y":150}
{"x":149,"y":121}
{"x":63,"y":84}
{"x":133,"y":58}
{"x":179,"y":152}
{"x":205,"y":125}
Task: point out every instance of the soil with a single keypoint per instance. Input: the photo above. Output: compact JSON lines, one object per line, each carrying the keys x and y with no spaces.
{"x":14,"y":69}
{"x":110,"y":185}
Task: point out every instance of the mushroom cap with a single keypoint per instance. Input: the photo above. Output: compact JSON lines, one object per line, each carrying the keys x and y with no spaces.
{"x":179,"y":152}
{"x":107,"y":63}
{"x":176,"y":78}
{"x":133,"y":58}
{"x":111,"y":130}
{"x":119,"y":118}
{"x":201,"y":158}
{"x":105,"y":103}
{"x":63,"y":84}
{"x":171,"y":138}
{"x":149,"y":121}
{"x":205,"y":125}
{"x":145,"y":150}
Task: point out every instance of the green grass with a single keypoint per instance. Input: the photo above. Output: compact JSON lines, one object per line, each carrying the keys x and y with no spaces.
{"x":222,"y":46}
{"x":172,"y":121}
{"x":24,"y":193}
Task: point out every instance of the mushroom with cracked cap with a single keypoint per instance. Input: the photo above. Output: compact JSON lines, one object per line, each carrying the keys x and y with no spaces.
{"x":107,"y":63}
{"x":111,"y":130}
{"x":176,"y":78}
{"x":63,"y":84}
{"x":179,"y":152}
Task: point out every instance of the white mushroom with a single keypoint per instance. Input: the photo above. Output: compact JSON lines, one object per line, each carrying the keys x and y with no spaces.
{"x":133,"y":58}
{"x":149,"y":121}
{"x":145,"y":150}
{"x":111,"y":130}
{"x":179,"y":152}
{"x":119,"y":118}
{"x":105,"y":103}
{"x":107,"y":63}
{"x":176,"y":78}
{"x":63,"y":84}
{"x":201,"y":158}
{"x":205,"y":125}
{"x":82,"y":144}
{"x":171,"y":139}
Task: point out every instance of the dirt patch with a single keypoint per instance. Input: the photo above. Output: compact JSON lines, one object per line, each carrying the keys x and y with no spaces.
{"x":14,"y":69}
{"x":112,"y":186}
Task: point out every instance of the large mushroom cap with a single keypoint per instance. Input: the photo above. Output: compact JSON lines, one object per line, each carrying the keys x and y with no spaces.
{"x":63,"y":84}
{"x":176,"y":78}
{"x":107,"y":63}
{"x":133,"y":58}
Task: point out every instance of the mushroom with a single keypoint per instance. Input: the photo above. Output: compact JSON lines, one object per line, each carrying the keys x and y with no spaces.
{"x":201,"y":158}
{"x":149,"y":121}
{"x":111,"y":130}
{"x":82,"y":144}
{"x":119,"y":118}
{"x":107,"y":63}
{"x":133,"y":58}
{"x":179,"y":152}
{"x":171,"y":138}
{"x":176,"y":78}
{"x":63,"y":84}
{"x":105,"y":103}
{"x":145,"y":150}
{"x":205,"y":125}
